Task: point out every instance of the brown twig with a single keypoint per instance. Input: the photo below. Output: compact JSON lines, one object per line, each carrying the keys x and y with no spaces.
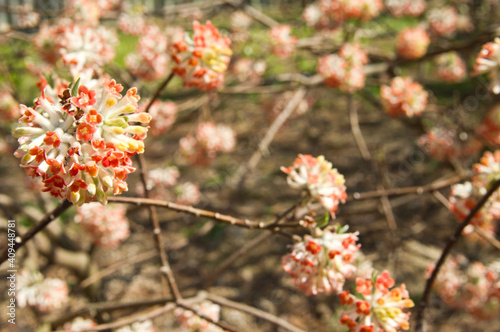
{"x":253,"y":311}
{"x":436,"y":185}
{"x":246,"y":223}
{"x":158,"y":91}
{"x":63,"y":206}
{"x":446,"y":250}
{"x":166,"y":272}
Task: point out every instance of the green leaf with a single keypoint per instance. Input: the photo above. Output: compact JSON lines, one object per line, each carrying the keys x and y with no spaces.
{"x":343,"y":229}
{"x":74,"y":87}
{"x":323,"y":221}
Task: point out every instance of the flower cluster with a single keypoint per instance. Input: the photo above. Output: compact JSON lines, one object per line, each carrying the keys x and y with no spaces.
{"x":469,"y":285}
{"x":163,"y":116}
{"x":187,"y":193}
{"x":443,"y":21}
{"x":141,"y":326}
{"x":340,"y":10}
{"x":26,"y":16}
{"x":189,"y":320}
{"x":322,"y":263}
{"x":412,"y":43}
{"x":488,"y":60}
{"x":209,"y":139}
{"x":79,"y":46}
{"x":150,"y":63}
{"x":202,"y":60}
{"x":377,"y":306}
{"x":79,"y":324}
{"x":132,"y":20}
{"x":489,"y":128}
{"x":406,"y":7}
{"x":283,"y":44}
{"x":107,"y":225}
{"x":8,"y":107}
{"x":247,"y":70}
{"x":450,"y":67}
{"x":42,"y":294}
{"x":464,"y":197}
{"x":439,"y":143}
{"x":80,"y":141}
{"x":317,"y":176}
{"x":403,"y":97}
{"x":345,"y":69}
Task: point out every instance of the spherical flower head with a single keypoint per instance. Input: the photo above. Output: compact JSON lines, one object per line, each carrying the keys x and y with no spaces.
{"x":78,"y":324}
{"x":187,"y":193}
{"x":406,"y":7}
{"x":377,"y":306}
{"x":488,"y":60}
{"x":403,"y":97}
{"x":439,"y":143}
{"x":489,"y":128}
{"x":240,"y":21}
{"x":312,"y":14}
{"x":317,"y":176}
{"x":84,"y":47}
{"x":107,"y":225}
{"x":210,"y":139}
{"x":142,"y":326}
{"x":163,"y":116}
{"x":26,"y":16}
{"x":45,"y":295}
{"x":132,"y":20}
{"x":353,"y":54}
{"x":487,"y":170}
{"x":464,"y":197}
{"x":412,"y":43}
{"x":321,"y":264}
{"x":450,"y":67}
{"x":282,"y":42}
{"x":443,"y":21}
{"x":202,"y":60}
{"x":8,"y":107}
{"x":80,"y":142}
{"x":150,"y":63}
{"x":189,"y":320}
{"x":333,"y":68}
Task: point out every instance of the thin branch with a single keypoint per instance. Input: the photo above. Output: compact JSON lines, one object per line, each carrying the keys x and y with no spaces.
{"x":253,"y":311}
{"x":246,"y":223}
{"x":436,"y":185}
{"x":63,"y":206}
{"x":166,"y":271}
{"x":158,"y":91}
{"x":458,"y":232}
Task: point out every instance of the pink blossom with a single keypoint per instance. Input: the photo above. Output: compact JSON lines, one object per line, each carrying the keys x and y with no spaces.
{"x":107,"y":225}
{"x":403,"y":97}
{"x":322,"y":263}
{"x":150,"y":63}
{"x":439,"y":143}
{"x":209,"y":140}
{"x":283,"y":44}
{"x":78,"y":324}
{"x":43,"y":294}
{"x":163,"y":116}
{"x":488,"y":60}
{"x":189,"y":320}
{"x":376,"y":307}
{"x":443,"y":21}
{"x":412,"y":43}
{"x":450,"y":67}
{"x":489,"y":128}
{"x":317,"y":176}
{"x":406,"y":7}
{"x":187,"y":193}
{"x":202,"y":60}
{"x":81,"y":145}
